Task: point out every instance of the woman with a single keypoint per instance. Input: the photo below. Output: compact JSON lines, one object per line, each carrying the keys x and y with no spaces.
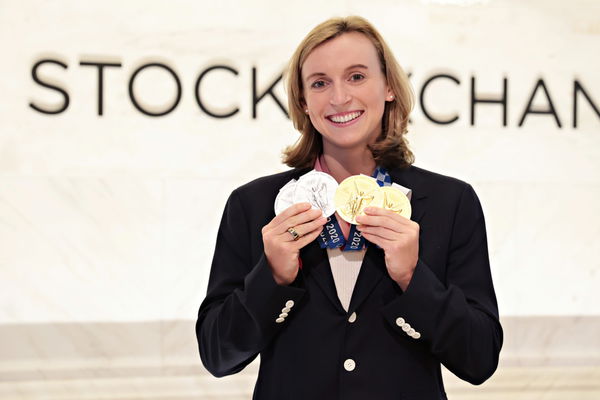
{"x":375,"y":322}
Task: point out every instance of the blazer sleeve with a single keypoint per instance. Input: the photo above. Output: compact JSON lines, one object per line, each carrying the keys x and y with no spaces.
{"x":458,"y":319}
{"x":241,"y":312}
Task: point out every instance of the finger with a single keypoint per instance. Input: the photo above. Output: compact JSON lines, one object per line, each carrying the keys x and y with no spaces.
{"x":287,"y":213}
{"x":304,"y":229}
{"x":381,"y":211}
{"x":381,"y":221}
{"x":308,"y":227}
{"x":307,"y":238}
{"x":375,"y":239}
{"x":298,"y":219}
{"x":378,"y":231}
{"x":289,"y":236}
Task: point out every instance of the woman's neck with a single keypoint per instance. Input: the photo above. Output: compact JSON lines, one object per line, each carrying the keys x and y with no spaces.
{"x":348,"y":163}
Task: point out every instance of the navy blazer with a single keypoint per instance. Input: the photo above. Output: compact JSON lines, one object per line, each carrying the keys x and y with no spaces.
{"x":320,"y":351}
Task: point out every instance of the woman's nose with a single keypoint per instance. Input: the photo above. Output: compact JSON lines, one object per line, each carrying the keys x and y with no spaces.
{"x":339,"y":95}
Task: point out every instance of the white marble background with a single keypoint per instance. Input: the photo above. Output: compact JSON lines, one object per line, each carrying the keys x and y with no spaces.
{"x":113,"y":218}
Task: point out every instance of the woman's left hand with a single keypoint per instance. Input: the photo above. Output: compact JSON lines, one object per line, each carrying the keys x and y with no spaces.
{"x":397,"y":236}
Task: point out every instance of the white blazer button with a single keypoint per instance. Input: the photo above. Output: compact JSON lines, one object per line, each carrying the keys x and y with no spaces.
{"x":416,"y":335}
{"x":349,"y":365}
{"x":285,"y":309}
{"x":289,"y":303}
{"x":283,"y":315}
{"x":352,"y":317}
{"x":400,"y":322}
{"x":406,"y":327}
{"x":279,"y":320}
{"x":411,"y":332}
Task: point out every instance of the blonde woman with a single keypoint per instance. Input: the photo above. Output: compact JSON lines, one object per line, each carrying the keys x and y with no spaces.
{"x":374,"y":315}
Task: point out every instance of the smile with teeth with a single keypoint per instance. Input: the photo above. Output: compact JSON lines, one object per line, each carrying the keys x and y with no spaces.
{"x":345,"y":117}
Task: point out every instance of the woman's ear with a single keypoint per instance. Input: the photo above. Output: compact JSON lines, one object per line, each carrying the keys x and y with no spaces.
{"x":390,"y":95}
{"x":304,"y":106}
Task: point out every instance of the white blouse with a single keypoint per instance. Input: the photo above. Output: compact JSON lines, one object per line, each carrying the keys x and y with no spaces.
{"x":345,"y":266}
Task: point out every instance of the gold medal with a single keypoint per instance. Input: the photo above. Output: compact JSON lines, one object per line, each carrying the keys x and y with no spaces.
{"x":354,"y":194}
{"x":396,"y":201}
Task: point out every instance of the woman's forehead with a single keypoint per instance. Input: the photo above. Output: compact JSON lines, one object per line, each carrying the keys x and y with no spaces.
{"x":338,"y":54}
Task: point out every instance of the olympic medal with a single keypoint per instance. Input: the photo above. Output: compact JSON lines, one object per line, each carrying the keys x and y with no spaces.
{"x":285,"y":197}
{"x":396,"y":201}
{"x":356,"y":193}
{"x":318,"y":189}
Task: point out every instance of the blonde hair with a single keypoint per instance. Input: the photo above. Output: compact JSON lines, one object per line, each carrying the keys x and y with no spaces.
{"x":391,"y":147}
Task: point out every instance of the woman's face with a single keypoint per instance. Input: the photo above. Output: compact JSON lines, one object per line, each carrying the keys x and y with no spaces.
{"x":345,"y":91}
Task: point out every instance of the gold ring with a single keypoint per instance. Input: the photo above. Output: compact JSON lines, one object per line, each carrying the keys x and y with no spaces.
{"x":294,"y":233}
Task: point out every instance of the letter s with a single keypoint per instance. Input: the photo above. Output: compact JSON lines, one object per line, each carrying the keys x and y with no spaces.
{"x":36,"y":78}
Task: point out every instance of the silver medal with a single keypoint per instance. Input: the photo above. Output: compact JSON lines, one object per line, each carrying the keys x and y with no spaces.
{"x":318,"y":189}
{"x":285,"y":197}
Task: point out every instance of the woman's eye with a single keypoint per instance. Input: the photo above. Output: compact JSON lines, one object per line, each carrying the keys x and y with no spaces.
{"x":357,"y":77}
{"x":317,"y":84}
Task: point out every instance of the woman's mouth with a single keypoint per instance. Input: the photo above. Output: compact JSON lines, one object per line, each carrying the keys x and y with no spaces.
{"x":346,"y":118}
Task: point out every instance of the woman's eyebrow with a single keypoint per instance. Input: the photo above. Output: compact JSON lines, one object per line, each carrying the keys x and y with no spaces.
{"x":314,"y":75}
{"x":353,"y":66}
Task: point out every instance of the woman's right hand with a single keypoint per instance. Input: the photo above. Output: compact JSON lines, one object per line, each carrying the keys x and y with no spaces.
{"x":281,"y":250}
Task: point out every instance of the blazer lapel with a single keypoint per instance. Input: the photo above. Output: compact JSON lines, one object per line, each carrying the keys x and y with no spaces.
{"x":315,"y":264}
{"x":373,"y":268}
{"x":406,"y":177}
{"x":369,"y":276}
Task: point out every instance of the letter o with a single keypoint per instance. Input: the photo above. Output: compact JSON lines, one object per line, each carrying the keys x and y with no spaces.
{"x":138,"y":106}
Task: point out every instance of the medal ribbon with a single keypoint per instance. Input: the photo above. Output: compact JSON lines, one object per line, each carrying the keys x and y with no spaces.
{"x":332,"y":237}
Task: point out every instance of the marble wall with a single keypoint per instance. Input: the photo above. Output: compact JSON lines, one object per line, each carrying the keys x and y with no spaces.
{"x":158,"y":360}
{"x":109,"y":221}
{"x":112,"y":217}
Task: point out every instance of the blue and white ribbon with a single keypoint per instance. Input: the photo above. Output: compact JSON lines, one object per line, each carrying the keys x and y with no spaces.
{"x":332,"y":237}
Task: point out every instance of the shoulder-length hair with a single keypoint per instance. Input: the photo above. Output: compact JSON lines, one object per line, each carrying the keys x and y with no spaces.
{"x":391,"y":147}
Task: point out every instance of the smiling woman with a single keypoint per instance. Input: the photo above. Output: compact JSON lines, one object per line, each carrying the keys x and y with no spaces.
{"x":345,"y":93}
{"x":364,"y":309}
{"x":361,"y":54}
